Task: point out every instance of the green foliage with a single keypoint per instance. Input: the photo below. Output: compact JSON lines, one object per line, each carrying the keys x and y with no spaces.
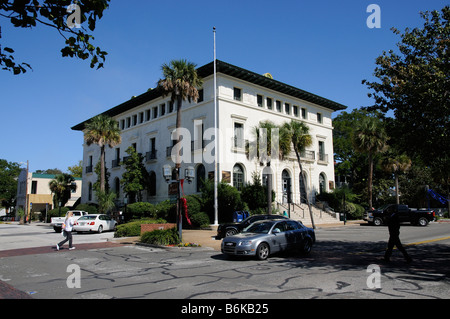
{"x":413,"y":83}
{"x":229,"y":200}
{"x":165,"y":210}
{"x":9,"y":172}
{"x":62,"y":187}
{"x":161,"y":237}
{"x":255,"y":195}
{"x":200,"y":219}
{"x":55,"y":212}
{"x":133,"y":228}
{"x":135,"y":176}
{"x":87,"y":208}
{"x":53,"y":14}
{"x":142,"y":210}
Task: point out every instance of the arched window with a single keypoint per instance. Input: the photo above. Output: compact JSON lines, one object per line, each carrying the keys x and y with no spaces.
{"x":322,"y":183}
{"x":201,"y":177}
{"x":287,"y":191}
{"x":238,"y":177}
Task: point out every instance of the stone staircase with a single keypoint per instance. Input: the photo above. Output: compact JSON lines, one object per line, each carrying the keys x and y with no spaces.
{"x":301,"y":212}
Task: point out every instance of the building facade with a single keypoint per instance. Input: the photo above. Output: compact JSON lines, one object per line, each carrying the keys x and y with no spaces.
{"x":244,"y":99}
{"x":34,"y":195}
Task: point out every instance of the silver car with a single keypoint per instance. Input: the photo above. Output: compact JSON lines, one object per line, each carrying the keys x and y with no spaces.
{"x":267,"y":237}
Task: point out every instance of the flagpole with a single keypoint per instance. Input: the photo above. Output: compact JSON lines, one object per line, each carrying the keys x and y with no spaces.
{"x":216,"y":136}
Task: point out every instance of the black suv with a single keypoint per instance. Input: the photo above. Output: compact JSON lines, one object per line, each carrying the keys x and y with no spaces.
{"x":230,"y":229}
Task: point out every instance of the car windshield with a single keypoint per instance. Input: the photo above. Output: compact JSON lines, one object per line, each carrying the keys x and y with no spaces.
{"x":88,"y":217}
{"x":383,"y":207}
{"x":260,"y":228}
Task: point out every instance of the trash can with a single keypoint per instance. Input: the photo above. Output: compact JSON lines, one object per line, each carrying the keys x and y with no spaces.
{"x":342,"y":217}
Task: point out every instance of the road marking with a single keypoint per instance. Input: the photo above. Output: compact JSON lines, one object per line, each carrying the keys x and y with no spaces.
{"x":428,"y":241}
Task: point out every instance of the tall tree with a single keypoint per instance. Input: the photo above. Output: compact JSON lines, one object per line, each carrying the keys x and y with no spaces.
{"x":62,"y":186}
{"x":296,"y":134}
{"x":135,"y":178}
{"x":370,"y":138}
{"x":102,"y":130}
{"x":396,"y":164}
{"x":9,"y":172}
{"x":181,"y":82}
{"x":59,"y":15}
{"x":414,"y":82}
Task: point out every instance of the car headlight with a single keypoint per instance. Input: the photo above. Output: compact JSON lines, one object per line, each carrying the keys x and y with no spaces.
{"x":245,"y":243}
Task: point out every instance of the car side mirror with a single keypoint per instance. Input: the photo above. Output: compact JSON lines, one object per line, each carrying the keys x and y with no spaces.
{"x":276,"y":231}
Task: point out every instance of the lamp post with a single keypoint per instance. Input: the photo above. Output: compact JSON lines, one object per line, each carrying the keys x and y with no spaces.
{"x":189,"y":174}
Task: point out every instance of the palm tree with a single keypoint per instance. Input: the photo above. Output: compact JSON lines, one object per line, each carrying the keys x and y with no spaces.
{"x":296,"y":134}
{"x":102,"y":130}
{"x":181,"y":82}
{"x":370,"y":138}
{"x":62,"y":186}
{"x":396,"y":165}
{"x":268,"y":126}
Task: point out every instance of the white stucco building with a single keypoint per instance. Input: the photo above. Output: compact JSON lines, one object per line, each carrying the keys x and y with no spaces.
{"x":244,"y":99}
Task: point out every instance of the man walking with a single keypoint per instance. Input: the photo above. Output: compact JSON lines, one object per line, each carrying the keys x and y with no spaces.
{"x":394,"y":235}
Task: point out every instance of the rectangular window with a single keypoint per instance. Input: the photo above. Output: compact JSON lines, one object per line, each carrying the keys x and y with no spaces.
{"x":147,"y":115}
{"x":162,"y":109}
{"x":170,"y":107}
{"x":287,"y":108}
{"x":134,"y":119}
{"x":238,"y":135}
{"x":200,"y":96}
{"x":278,"y":105}
{"x":33,"y":187}
{"x":237,"y":94}
{"x":128,"y":122}
{"x":259,"y":100}
{"x":155,"y":112}
{"x":319,"y":117}
{"x":141,"y":117}
{"x":122,"y":124}
{"x":296,"y":110}
{"x":269,"y":102}
{"x":303,"y":113}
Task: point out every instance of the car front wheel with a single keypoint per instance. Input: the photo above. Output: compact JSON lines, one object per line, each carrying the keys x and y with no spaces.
{"x":423,"y":221}
{"x":262,"y":252}
{"x":307,"y":246}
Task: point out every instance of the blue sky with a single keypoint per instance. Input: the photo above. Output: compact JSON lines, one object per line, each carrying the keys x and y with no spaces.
{"x":323,"y":47}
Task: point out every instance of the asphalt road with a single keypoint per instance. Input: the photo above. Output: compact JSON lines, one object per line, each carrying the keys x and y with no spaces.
{"x":341,"y":265}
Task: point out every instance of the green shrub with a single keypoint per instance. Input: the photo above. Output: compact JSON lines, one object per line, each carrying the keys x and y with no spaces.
{"x":199,"y":219}
{"x":133,"y":228}
{"x":161,"y":237}
{"x":141,"y":210}
{"x":87,"y":208}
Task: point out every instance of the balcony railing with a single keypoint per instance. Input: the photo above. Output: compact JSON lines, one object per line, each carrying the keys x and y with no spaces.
{"x":149,"y":156}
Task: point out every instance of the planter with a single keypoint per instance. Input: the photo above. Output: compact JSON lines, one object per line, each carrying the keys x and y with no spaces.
{"x":152,"y":227}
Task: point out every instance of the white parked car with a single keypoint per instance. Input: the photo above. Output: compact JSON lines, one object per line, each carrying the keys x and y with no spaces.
{"x":94,"y":223}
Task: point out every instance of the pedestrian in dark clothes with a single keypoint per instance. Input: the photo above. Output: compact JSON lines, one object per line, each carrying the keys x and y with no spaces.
{"x":394,"y":236}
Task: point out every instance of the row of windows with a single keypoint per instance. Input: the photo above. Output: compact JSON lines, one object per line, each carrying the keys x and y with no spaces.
{"x":151,"y":113}
{"x":279,"y":106}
